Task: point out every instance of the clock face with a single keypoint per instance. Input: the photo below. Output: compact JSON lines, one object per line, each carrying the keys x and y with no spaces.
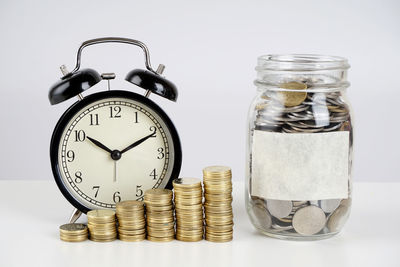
{"x":113,"y":146}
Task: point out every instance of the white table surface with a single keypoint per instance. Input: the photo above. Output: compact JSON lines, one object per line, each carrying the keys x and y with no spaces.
{"x":33,"y":211}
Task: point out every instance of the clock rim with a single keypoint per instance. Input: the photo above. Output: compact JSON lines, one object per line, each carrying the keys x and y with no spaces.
{"x":77,"y":106}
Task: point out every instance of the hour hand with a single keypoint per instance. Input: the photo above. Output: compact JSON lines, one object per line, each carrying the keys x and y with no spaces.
{"x":97,"y":143}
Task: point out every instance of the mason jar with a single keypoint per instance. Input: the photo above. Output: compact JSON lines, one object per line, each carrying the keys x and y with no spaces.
{"x":299,"y":147}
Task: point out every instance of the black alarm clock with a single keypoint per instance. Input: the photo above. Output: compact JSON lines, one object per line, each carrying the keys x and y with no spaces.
{"x":113,"y":145}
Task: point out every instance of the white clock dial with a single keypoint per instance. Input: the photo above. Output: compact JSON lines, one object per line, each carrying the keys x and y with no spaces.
{"x":122,"y":125}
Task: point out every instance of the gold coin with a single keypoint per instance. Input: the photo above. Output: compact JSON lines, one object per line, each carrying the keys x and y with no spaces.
{"x":103,"y":240}
{"x":212,"y":170}
{"x":290,"y":98}
{"x":157,"y":193}
{"x":189,"y":238}
{"x":75,"y":239}
{"x":159,"y":206}
{"x":160,"y":239}
{"x":101,"y":214}
{"x":189,"y":207}
{"x":135,"y":238}
{"x":213,"y":238}
{"x":161,"y":233}
{"x":130,"y":205}
{"x":131,"y":231}
{"x":219,"y":229}
{"x":73,"y":228}
{"x":186,"y":183}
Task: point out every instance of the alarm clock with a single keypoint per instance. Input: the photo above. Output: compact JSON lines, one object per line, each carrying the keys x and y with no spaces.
{"x":113,"y":145}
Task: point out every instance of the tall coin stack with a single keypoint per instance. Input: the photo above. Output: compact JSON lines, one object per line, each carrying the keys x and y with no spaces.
{"x":73,"y":232}
{"x":101,"y":224}
{"x":188,"y":197}
{"x":131,"y":221}
{"x":218,"y":203}
{"x":160,"y":217}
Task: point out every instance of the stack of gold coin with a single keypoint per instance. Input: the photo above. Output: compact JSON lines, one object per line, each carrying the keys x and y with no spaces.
{"x":218,"y":203}
{"x":131,"y":221}
{"x":160,"y":216}
{"x":101,"y":225}
{"x":188,"y":197}
{"x":73,"y":232}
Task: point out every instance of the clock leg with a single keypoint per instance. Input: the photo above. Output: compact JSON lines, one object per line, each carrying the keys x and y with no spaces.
{"x":75,"y":215}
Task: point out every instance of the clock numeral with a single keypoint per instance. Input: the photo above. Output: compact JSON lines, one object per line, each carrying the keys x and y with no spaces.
{"x":136,"y":117}
{"x":96,"y":188}
{"x":139,"y":191}
{"x":70,"y":155}
{"x":78,"y":177}
{"x":114,"y":112}
{"x":154,"y":130}
{"x":117,"y":197}
{"x":94,"y":119}
{"x":153,"y":174}
{"x":161,"y":154}
{"x":80,"y":135}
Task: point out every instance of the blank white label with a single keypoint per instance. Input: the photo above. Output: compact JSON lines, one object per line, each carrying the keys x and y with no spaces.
{"x":301,"y":166}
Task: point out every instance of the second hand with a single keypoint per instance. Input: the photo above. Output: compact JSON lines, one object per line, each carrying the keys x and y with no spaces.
{"x":115,"y":170}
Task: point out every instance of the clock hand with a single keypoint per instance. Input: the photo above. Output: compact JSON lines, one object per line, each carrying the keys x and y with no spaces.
{"x":138,"y":142}
{"x":97,"y":143}
{"x":115,"y":170}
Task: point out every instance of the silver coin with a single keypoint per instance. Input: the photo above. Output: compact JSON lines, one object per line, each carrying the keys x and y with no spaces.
{"x":313,"y":130}
{"x":338,"y":219}
{"x":279,"y":208}
{"x":309,"y":220}
{"x":333,"y":128}
{"x":329,"y":205}
{"x":279,"y":228}
{"x":346,"y":202}
{"x":262,"y":216}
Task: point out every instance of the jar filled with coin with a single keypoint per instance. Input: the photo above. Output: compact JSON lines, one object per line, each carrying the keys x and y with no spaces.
{"x":299,"y":152}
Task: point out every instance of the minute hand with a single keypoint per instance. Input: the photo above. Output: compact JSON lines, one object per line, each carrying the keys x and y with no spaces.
{"x":138,"y":142}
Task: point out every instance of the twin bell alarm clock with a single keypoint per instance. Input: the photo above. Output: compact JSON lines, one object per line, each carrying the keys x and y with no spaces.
{"x":113,"y":145}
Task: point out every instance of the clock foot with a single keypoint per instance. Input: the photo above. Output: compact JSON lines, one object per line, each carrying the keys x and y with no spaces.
{"x":75,"y":215}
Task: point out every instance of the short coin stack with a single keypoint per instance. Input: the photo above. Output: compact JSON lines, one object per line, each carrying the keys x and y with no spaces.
{"x":101,"y":225}
{"x":188,"y":197}
{"x":160,"y":217}
{"x":218,"y":203}
{"x":73,"y":232}
{"x":131,"y":221}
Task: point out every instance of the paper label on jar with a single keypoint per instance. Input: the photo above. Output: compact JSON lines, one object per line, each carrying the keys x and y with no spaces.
{"x":301,"y":166}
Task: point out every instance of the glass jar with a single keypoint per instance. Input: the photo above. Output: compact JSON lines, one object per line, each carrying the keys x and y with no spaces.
{"x":299,"y":147}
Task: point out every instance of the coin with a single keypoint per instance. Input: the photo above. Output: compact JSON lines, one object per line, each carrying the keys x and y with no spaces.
{"x":160,"y":239}
{"x":188,"y":198}
{"x":73,"y":232}
{"x":309,"y":220}
{"x":186,"y":183}
{"x":102,"y":225}
{"x":131,"y":219}
{"x":218,"y":203}
{"x":279,"y":208}
{"x":132,"y":238}
{"x":329,"y":205}
{"x":291,"y":98}
{"x":338,"y":218}
{"x":73,"y":229}
{"x":262,"y":216}
{"x":160,"y":218}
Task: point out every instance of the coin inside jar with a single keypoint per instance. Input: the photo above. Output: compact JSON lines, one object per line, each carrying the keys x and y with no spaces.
{"x":290,"y":98}
{"x":279,"y":208}
{"x":338,"y":218}
{"x":309,"y":220}
{"x":329,"y":205}
{"x":262,"y":216}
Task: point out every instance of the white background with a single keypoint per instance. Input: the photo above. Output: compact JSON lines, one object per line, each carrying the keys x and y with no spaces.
{"x":210,"y":50}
